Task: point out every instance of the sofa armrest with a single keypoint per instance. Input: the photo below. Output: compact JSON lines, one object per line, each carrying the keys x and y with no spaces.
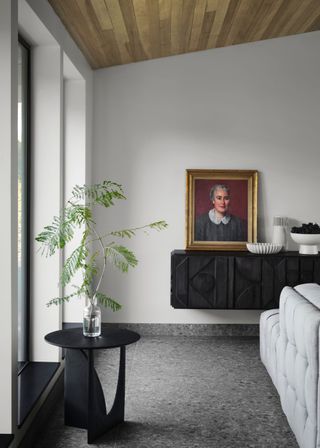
{"x":269,"y":335}
{"x":298,"y":366}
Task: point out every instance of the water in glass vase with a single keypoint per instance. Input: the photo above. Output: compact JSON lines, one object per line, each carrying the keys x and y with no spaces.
{"x":92,"y":320}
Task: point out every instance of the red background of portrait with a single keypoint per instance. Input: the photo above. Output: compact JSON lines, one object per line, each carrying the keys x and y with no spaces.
{"x":238,"y":193}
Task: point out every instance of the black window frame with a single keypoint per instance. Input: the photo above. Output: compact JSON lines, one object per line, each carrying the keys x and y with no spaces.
{"x":27,"y":48}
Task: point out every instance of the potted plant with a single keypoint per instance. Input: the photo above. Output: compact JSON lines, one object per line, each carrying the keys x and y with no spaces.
{"x":92,"y":261}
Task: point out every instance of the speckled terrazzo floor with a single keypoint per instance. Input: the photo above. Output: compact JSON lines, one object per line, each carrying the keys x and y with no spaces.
{"x":186,"y":392}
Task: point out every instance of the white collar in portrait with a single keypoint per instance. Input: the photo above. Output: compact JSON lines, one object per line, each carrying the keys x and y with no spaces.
{"x":216,"y":220}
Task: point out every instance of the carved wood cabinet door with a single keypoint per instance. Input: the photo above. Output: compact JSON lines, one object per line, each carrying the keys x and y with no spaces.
{"x":230,"y":280}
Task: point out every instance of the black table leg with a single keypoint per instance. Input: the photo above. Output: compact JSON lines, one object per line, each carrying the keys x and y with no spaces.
{"x":99,"y":422}
{"x":84,"y":403}
{"x":76,"y":389}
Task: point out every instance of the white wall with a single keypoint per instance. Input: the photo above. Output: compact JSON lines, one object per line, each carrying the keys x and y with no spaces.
{"x":46,"y":132}
{"x":252,"y":106}
{"x":74,"y":173}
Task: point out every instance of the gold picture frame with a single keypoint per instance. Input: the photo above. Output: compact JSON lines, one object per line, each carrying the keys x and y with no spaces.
{"x":236,"y":219}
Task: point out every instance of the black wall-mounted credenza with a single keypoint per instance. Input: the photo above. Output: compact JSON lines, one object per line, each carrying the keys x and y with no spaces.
{"x":237,"y":280}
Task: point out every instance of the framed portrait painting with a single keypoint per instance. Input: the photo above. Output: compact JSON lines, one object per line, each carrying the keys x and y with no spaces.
{"x":221,"y":209}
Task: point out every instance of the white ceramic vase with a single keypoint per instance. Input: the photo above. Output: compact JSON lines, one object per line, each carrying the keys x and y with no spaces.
{"x":279,"y":236}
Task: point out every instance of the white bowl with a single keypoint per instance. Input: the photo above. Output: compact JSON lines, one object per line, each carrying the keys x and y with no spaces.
{"x":264,"y":248}
{"x":308,"y":242}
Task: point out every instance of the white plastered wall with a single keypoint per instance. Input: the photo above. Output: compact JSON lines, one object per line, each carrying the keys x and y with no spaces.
{"x":251,"y":106}
{"x":75,"y":172}
{"x":46,"y":134}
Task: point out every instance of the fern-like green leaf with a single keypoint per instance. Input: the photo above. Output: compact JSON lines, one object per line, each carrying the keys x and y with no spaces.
{"x":108,"y":302}
{"x":56,"y":235}
{"x":126,"y":233}
{"x":60,"y":300}
{"x":73,"y":263}
{"x":129,"y":233}
{"x":158,"y":225}
{"x":102,"y":194}
{"x":121,"y":257}
{"x":78,"y":214}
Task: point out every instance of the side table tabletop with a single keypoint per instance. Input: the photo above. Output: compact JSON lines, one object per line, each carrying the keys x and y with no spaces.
{"x":84,"y":403}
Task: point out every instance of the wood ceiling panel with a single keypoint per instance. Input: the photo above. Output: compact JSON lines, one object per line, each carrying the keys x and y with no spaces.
{"x":113,"y":32}
{"x":102,"y":14}
{"x":165,"y":26}
{"x":154,"y":27}
{"x":228,"y":22}
{"x":120,"y":31}
{"x":131,"y":22}
{"x":306,"y":18}
{"x":282,"y":16}
{"x":263,"y":18}
{"x":198,"y":18}
{"x":187,"y":23}
{"x":244,"y":17}
{"x":176,"y":26}
{"x":219,"y":18}
{"x":313,"y":25}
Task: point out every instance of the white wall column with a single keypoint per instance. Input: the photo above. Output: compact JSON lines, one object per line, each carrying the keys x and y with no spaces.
{"x":9,"y":208}
{"x":47,"y":119}
{"x":74,"y":171}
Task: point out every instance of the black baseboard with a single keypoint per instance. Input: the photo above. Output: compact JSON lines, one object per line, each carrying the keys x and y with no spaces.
{"x":5,"y":440}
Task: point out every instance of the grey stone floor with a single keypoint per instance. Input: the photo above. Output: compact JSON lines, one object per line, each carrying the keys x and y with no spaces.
{"x":186,"y":392}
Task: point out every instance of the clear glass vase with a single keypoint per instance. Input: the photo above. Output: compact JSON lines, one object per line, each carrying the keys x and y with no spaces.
{"x":92,"y":319}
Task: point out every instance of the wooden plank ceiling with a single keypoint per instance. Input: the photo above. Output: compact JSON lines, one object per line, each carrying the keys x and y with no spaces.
{"x":112,"y":32}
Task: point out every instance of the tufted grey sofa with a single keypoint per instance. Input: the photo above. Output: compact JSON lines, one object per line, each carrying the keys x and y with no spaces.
{"x":289,"y":349}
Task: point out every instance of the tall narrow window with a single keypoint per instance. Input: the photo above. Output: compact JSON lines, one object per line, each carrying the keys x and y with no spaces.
{"x":23,"y":202}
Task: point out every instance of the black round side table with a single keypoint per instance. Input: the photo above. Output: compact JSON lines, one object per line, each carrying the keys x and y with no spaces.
{"x":84,"y":403}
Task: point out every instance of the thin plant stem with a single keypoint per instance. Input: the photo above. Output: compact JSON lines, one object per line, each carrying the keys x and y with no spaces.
{"x":104,"y":259}
{"x":133,"y":229}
